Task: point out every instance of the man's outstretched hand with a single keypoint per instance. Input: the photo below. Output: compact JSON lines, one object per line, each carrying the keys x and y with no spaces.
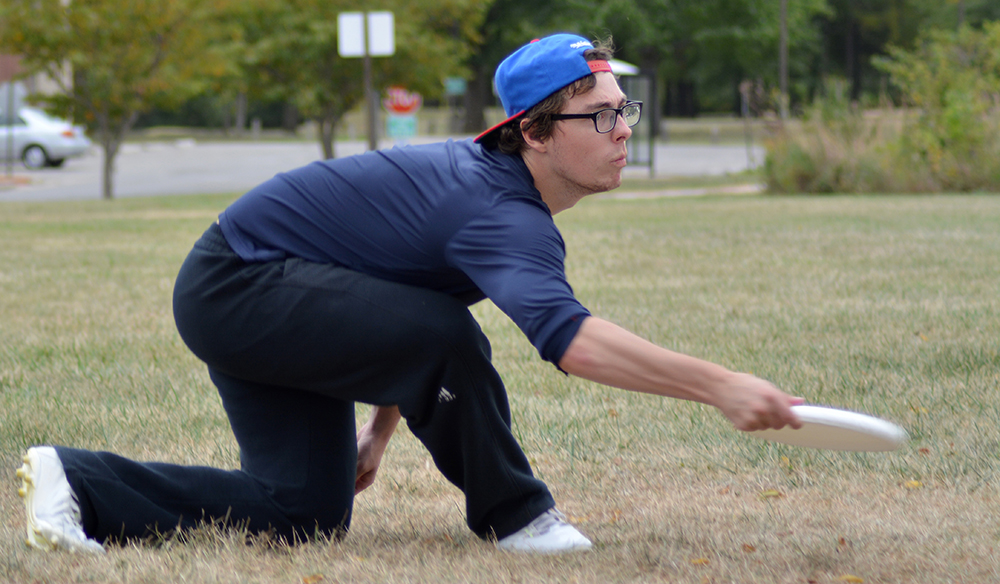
{"x":752,"y":403}
{"x":372,"y":440}
{"x":369,"y":458}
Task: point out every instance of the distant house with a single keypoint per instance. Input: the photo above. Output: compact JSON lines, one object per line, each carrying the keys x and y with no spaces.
{"x":10,"y":67}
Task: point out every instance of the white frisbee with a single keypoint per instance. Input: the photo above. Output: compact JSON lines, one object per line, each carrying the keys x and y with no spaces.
{"x":835,"y":429}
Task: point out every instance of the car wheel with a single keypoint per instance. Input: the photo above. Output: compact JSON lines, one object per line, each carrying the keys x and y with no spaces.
{"x":56,"y":162}
{"x":34,"y":157}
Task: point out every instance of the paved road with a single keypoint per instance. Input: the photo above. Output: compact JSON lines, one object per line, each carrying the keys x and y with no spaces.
{"x":189,"y":167}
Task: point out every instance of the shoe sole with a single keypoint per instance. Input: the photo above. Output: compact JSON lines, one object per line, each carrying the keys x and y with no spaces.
{"x":36,"y":539}
{"x":569,"y":549}
{"x":42,"y":535}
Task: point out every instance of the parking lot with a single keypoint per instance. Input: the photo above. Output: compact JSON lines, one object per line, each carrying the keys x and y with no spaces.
{"x":189,"y":167}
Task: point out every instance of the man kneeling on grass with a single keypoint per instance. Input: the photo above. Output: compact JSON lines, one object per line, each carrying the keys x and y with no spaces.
{"x":348,"y":281}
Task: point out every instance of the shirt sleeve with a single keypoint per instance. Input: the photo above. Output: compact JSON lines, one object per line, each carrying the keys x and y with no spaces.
{"x":515,"y":254}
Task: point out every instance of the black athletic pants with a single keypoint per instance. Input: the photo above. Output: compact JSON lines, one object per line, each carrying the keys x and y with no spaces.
{"x":291,"y":345}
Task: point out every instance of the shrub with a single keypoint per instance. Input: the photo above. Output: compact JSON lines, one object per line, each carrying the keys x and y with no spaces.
{"x":946,"y":138}
{"x":836,"y":148}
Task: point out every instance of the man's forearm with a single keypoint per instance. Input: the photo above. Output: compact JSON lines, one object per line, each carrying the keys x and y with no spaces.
{"x":382,"y":422}
{"x":606,"y":353}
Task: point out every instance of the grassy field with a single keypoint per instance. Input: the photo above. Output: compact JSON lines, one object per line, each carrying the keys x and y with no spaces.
{"x":889,"y":305}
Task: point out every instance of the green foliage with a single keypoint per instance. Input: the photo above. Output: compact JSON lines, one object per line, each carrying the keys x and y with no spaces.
{"x":953,"y":82}
{"x":113,"y":60}
{"x":946,"y":139}
{"x":123,"y":56}
{"x":290,"y":52}
{"x":743,"y":35}
{"x":835,"y":149}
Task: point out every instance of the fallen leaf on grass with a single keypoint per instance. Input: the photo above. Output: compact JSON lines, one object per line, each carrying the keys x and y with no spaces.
{"x":749,"y":548}
{"x":700,"y":561}
{"x":771,"y":494}
{"x":924,"y":451}
{"x":913,"y":485}
{"x":850,"y":578}
{"x":312,"y":579}
{"x":438,"y":539}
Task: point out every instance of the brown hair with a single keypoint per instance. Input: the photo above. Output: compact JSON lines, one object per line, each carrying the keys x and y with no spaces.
{"x":540,"y":123}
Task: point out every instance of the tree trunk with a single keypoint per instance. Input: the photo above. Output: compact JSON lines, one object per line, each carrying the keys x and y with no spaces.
{"x":477,"y":95}
{"x":240,"y":114}
{"x":681,"y":100}
{"x":289,"y":117}
{"x":783,"y":61}
{"x":649,"y":65}
{"x":112,"y":137}
{"x":108,"y":174}
{"x":852,"y":60}
{"x":109,"y":148}
{"x":325,"y":128}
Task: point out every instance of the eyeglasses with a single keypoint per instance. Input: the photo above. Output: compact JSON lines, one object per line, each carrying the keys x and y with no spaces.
{"x":605,"y":119}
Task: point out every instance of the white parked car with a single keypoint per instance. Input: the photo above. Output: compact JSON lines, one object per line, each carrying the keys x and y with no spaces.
{"x":39,"y":139}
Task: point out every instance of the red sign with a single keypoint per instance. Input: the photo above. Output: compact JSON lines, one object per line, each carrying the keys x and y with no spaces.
{"x":401,"y":102}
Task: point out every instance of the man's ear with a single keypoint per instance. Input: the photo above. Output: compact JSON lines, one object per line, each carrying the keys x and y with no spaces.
{"x":529,"y":137}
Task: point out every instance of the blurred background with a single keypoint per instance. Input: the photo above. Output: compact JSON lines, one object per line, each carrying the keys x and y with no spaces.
{"x":709,"y":71}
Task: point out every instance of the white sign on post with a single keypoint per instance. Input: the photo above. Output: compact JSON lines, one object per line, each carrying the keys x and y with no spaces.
{"x":380,"y":41}
{"x":381,"y":34}
{"x":351,"y":34}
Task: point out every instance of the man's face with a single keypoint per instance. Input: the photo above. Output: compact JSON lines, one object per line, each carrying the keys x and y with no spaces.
{"x":585,"y":160}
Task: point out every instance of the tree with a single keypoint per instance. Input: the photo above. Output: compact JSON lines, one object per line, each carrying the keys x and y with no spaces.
{"x":659,"y":36}
{"x":507,"y":25}
{"x":690,"y":44}
{"x":742,"y":41}
{"x":951,"y":80}
{"x":292,"y":48}
{"x":124,"y":57}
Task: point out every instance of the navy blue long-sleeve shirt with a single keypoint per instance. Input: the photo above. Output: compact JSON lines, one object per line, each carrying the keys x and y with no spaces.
{"x":452,"y":217}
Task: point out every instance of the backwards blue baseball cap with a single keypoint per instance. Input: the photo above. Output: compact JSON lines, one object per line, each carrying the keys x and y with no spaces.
{"x":536,"y":71}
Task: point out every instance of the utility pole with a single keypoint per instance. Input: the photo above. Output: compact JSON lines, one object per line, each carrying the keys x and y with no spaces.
{"x":783,"y":60}
{"x":367,"y":35}
{"x":371,"y":100}
{"x":8,"y":113}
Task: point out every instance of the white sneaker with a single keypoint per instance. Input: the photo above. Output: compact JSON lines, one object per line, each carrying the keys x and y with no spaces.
{"x":549,"y":533}
{"x":53,"y":512}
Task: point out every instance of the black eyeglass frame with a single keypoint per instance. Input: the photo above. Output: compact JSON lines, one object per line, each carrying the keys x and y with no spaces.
{"x":619,"y":113}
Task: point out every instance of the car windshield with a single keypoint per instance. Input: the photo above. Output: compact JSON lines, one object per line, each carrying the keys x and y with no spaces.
{"x":31,"y":115}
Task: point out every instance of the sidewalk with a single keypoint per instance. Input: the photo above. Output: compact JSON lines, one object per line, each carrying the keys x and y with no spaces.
{"x":10,"y":181}
{"x":182,"y":167}
{"x":744,"y":189}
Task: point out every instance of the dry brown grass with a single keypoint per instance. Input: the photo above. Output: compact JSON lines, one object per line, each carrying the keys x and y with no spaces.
{"x":890,"y":305}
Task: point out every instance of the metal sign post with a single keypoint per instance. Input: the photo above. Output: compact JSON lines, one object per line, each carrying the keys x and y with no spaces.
{"x":8,"y":113}
{"x":367,"y":35}
{"x":639,"y":87}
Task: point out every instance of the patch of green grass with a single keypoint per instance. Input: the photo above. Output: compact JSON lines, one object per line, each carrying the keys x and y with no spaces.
{"x":889,"y":305}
